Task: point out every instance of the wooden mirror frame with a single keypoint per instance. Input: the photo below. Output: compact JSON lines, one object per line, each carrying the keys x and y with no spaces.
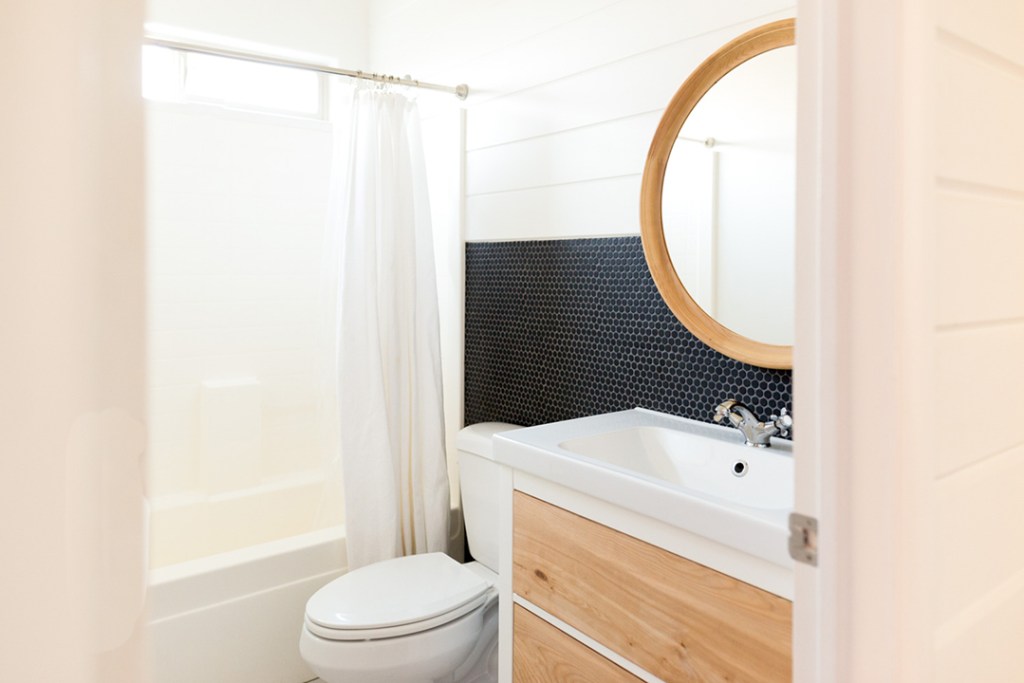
{"x":652,"y":231}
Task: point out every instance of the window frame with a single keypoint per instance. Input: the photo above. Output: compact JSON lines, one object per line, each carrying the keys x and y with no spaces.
{"x":182,"y":96}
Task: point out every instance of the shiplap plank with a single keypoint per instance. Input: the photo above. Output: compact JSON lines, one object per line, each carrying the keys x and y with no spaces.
{"x":428,"y":36}
{"x":604,"y":150}
{"x":641,"y":83}
{"x":595,"y":208}
{"x":983,"y":644}
{"x":382,"y":11}
{"x":978,"y":374}
{"x":980,"y":109}
{"x":979,"y":258}
{"x":991,"y":491}
{"x":995,"y":24}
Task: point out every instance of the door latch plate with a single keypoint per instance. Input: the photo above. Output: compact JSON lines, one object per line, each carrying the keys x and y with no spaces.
{"x":803,"y":538}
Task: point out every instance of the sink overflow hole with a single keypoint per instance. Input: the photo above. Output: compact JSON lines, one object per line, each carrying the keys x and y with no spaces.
{"x":739,"y":468}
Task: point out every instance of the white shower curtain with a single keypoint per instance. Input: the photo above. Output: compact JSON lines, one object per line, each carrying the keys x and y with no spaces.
{"x":389,"y":364}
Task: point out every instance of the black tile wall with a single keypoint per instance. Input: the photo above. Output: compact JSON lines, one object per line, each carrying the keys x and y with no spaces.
{"x":558,"y":329}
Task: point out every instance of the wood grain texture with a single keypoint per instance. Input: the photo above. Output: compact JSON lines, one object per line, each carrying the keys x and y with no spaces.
{"x":760,"y":40}
{"x":674,"y":618}
{"x":544,"y":654}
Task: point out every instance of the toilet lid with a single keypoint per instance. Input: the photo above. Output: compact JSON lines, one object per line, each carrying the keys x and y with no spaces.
{"x":405,"y":590}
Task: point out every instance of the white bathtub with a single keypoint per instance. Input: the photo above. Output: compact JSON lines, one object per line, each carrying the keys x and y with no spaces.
{"x":236,"y":617}
{"x":189,"y":526}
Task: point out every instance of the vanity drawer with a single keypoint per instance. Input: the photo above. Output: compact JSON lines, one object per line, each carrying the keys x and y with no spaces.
{"x":677,"y":619}
{"x":542,"y":653}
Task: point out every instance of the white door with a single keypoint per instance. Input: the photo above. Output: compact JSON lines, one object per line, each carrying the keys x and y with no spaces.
{"x":910,"y":325}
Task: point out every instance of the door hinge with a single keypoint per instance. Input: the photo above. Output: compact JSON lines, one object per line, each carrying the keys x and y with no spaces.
{"x":803,"y":538}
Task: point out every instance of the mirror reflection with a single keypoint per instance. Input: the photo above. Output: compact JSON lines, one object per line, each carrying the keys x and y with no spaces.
{"x":728,"y":202}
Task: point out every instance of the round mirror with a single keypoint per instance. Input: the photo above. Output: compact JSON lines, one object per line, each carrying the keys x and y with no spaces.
{"x":718,"y":198}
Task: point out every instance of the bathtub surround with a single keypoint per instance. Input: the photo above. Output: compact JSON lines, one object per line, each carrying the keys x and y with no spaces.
{"x":236,"y":207}
{"x":558,"y":329}
{"x":230,"y":434}
{"x":389,"y":369}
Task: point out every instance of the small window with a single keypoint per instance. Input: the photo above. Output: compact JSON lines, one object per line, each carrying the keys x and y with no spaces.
{"x":178,"y":76}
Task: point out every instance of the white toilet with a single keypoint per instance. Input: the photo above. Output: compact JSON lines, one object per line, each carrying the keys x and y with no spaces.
{"x":421,"y":618}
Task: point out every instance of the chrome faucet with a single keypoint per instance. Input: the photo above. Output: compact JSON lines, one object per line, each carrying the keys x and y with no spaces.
{"x":756,"y":433}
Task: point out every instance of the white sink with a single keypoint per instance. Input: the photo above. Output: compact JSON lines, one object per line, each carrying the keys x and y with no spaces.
{"x":677,"y":471}
{"x":705,"y":462}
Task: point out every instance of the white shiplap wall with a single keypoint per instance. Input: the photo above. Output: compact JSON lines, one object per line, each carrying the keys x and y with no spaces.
{"x":565,"y":97}
{"x":978,"y":60}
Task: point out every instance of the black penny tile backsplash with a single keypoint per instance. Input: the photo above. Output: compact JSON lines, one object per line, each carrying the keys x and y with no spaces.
{"x":557,"y":329}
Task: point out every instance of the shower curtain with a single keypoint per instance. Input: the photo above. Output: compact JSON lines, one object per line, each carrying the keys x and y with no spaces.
{"x":391,"y":426}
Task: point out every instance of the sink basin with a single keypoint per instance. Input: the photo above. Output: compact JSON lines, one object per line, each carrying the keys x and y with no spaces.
{"x":716,"y":465}
{"x":695,"y":476}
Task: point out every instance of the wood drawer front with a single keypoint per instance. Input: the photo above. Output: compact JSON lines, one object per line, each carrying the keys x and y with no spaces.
{"x":542,"y":654}
{"x":677,"y":619}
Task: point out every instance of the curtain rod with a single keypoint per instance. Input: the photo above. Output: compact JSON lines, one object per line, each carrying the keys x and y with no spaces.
{"x":461,"y":91}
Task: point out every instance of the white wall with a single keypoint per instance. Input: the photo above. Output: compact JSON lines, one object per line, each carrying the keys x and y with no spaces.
{"x":71,"y":346}
{"x":565,"y":97}
{"x":335,"y":30}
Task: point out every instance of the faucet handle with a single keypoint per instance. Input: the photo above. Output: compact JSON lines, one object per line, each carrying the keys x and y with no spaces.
{"x":784,"y":421}
{"x":722,"y":411}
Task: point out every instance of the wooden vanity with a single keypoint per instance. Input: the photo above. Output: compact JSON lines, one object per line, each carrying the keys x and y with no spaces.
{"x":629,"y":551}
{"x":592,"y":603}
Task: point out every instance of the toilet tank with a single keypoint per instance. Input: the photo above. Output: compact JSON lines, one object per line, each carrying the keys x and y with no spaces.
{"x":480,"y":484}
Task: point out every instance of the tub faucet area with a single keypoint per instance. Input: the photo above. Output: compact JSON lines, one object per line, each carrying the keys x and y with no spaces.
{"x":755,"y":432}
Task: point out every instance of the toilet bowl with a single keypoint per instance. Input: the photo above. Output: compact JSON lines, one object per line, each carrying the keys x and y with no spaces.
{"x":416,"y":618}
{"x":422,"y":618}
